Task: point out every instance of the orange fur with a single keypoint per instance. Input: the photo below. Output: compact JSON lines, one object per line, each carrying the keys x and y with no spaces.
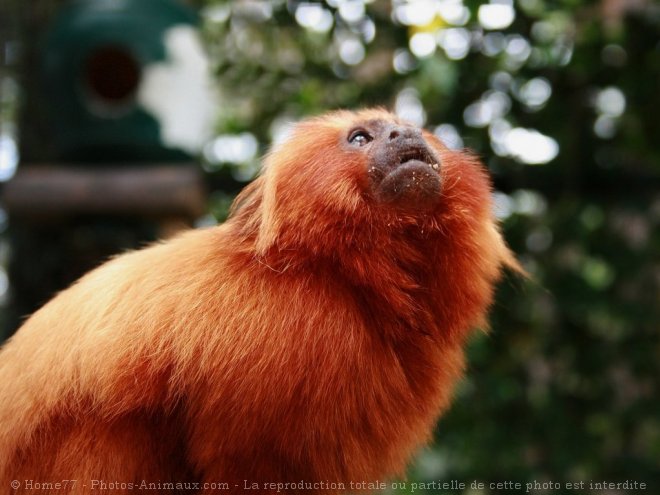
{"x":316,"y":335}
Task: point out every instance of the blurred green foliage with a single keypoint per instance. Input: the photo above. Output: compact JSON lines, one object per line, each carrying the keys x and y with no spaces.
{"x":560,"y":98}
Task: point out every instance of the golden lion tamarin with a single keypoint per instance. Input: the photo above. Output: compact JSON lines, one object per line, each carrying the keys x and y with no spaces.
{"x":315,"y":336}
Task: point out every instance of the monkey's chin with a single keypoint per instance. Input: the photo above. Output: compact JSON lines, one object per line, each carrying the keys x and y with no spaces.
{"x":412,"y":185}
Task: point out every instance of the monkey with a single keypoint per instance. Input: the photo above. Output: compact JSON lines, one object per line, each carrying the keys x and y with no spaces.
{"x":314,"y":336}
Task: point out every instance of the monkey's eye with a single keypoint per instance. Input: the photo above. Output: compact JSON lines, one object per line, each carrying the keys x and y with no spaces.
{"x":359,"y":137}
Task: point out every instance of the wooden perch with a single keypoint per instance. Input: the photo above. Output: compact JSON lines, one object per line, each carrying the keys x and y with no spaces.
{"x":144,"y":190}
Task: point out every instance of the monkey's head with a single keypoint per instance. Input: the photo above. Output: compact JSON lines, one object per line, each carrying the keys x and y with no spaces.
{"x":352,"y":179}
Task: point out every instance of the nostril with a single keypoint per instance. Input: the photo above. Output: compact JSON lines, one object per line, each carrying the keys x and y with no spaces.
{"x":394,"y":134}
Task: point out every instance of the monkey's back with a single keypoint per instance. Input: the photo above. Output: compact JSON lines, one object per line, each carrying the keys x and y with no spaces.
{"x":192,"y":359}
{"x":97,"y":353}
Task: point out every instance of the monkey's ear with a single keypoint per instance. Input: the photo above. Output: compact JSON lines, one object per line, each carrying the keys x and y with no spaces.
{"x":268,"y":219}
{"x":253,"y":211}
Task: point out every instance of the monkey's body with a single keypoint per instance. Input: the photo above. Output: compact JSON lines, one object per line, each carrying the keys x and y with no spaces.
{"x":274,"y":348}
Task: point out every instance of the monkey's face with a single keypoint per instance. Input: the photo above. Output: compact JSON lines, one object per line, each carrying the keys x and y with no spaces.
{"x":402,"y":168}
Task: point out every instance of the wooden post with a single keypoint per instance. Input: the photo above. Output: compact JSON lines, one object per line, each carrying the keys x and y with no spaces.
{"x":67,"y":219}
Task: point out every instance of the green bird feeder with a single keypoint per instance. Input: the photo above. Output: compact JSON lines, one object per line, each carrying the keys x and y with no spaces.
{"x":125,"y":81}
